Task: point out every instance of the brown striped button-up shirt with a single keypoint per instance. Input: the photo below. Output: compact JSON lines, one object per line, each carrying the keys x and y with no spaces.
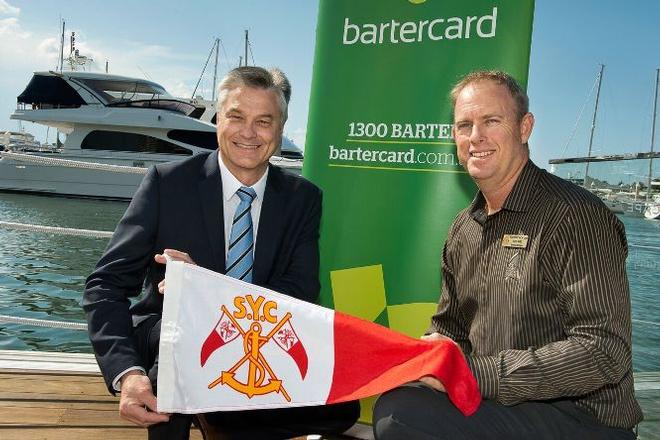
{"x":549,"y":318}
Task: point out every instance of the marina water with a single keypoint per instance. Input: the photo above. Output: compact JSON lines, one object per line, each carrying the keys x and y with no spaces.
{"x":43,"y":275}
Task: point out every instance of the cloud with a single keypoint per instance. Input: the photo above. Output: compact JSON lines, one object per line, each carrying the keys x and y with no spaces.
{"x":49,"y":51}
{"x":7,"y":9}
{"x":10,"y":29}
{"x":179,"y":89}
{"x":18,"y":46}
{"x":151,"y":51}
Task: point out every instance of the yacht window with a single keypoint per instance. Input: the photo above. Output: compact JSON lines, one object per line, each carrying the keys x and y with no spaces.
{"x":45,"y":92}
{"x":131,"y":142}
{"x":201,"y":139}
{"x":123,"y":90}
{"x":162,"y":104}
{"x":197,"y":113}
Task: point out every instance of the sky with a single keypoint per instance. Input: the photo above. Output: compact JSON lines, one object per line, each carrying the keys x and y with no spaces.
{"x":168,"y":42}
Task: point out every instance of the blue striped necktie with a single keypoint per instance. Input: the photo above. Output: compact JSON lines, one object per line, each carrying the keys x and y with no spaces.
{"x":241,"y":238}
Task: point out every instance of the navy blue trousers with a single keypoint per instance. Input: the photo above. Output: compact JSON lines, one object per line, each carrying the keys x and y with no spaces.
{"x":416,"y":411}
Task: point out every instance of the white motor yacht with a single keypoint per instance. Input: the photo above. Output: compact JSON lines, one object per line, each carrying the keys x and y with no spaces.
{"x":20,"y":141}
{"x":115,"y":127}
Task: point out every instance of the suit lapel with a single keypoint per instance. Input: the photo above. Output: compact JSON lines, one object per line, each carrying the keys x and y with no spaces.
{"x":210,"y":193}
{"x":270,"y":227}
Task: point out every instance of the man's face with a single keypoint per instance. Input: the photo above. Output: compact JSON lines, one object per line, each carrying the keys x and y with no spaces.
{"x":249,"y":131}
{"x":489,"y":137}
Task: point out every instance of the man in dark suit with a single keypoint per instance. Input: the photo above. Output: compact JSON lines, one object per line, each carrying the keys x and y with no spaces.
{"x":228,"y":211}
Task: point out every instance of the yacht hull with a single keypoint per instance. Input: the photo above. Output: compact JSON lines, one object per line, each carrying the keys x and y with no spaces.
{"x":64,"y":181}
{"x":59,"y":180}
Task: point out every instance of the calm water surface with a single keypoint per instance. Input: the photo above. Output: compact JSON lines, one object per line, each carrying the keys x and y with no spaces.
{"x":42,"y":275}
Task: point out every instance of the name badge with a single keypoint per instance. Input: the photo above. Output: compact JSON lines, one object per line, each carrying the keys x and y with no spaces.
{"x":515,"y":241}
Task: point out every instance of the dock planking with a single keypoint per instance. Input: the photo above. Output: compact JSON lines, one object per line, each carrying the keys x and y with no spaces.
{"x":61,"y":405}
{"x":59,"y":396}
{"x":62,"y":396}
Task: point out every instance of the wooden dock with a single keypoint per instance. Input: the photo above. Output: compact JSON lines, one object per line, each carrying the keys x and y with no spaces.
{"x":61,"y":396}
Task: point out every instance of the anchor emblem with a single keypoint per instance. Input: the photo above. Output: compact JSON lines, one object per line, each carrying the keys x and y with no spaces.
{"x":261,"y":379}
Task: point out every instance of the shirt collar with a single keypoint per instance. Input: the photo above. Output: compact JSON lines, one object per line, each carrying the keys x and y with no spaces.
{"x":230,"y":184}
{"x":518,"y":200}
{"x":521,"y":194}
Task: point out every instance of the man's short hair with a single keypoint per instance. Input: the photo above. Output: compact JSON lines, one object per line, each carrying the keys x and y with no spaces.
{"x":497,"y":76}
{"x":260,"y":78}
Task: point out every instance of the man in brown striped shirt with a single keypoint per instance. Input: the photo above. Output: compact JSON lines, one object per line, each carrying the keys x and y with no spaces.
{"x":534,"y":292}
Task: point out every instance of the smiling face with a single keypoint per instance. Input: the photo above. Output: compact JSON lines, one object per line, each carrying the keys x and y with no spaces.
{"x":490,"y":137}
{"x":249,"y":131}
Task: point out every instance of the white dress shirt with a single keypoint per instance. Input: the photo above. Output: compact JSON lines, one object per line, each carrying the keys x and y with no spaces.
{"x":230,"y":201}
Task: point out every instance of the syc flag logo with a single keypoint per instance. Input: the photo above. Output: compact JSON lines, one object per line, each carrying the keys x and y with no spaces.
{"x":251,"y":315}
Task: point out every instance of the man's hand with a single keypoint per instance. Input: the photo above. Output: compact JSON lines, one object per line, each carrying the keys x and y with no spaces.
{"x":136,"y":397}
{"x":432,"y":381}
{"x":173,"y":255}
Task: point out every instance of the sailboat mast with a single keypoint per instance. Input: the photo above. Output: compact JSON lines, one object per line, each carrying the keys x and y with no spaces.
{"x":655,"y":113}
{"x":208,"y":58}
{"x":593,"y":122}
{"x":62,"y":46}
{"x":246,"y":47}
{"x":215,"y":67}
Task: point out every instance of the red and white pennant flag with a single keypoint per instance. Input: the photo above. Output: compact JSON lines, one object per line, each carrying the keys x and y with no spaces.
{"x":228,"y":345}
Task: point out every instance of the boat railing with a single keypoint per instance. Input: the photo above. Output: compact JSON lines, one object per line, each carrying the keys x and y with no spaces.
{"x":280,"y":161}
{"x":51,"y":161}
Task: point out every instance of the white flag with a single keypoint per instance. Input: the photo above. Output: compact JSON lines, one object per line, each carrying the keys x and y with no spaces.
{"x":229,"y":345}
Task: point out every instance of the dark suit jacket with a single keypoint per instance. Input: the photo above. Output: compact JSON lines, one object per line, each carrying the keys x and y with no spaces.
{"x":179,"y":206}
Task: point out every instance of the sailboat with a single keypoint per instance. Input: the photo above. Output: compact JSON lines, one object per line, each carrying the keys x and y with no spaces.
{"x":632,"y":202}
{"x":652,"y":211}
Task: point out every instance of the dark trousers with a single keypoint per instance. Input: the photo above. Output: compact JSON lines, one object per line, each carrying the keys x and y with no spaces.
{"x":282,"y":423}
{"x":416,"y":411}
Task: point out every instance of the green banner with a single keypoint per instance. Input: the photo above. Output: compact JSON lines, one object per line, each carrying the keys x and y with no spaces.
{"x":379,"y":142}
